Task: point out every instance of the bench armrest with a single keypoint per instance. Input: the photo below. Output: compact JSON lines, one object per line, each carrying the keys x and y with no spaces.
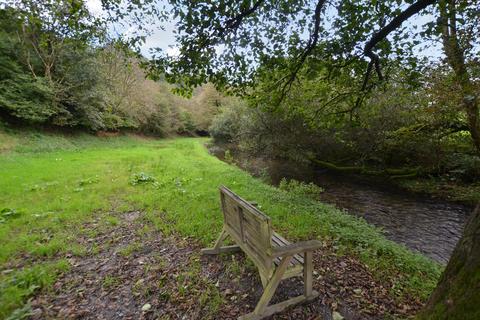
{"x":298,"y":247}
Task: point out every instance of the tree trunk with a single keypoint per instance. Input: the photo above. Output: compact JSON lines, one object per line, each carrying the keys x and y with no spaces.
{"x":457,"y":295}
{"x":456,"y":59}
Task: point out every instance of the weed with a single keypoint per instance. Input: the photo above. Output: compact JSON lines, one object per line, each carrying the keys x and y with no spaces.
{"x":141,"y":178}
{"x":112,"y":221}
{"x":300,"y":188}
{"x":234,"y":267}
{"x":21,"y":313}
{"x":228,"y":157}
{"x":110,"y":282}
{"x":44,"y":186}
{"x":129,"y":249}
{"x":7,"y":213}
{"x":88,"y":181}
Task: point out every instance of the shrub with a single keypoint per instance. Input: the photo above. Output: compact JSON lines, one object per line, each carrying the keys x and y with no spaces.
{"x":300,"y":188}
{"x":226,"y":126}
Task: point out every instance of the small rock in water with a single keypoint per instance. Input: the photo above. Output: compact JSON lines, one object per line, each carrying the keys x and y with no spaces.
{"x":146,"y":307}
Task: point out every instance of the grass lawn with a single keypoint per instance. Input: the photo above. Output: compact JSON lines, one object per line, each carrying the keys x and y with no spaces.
{"x":51,"y":185}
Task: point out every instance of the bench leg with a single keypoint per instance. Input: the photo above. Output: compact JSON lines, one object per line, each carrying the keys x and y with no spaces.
{"x":262,"y":309}
{"x":272,"y":286}
{"x":264,"y":279}
{"x":218,"y":248}
{"x":279,"y":307}
{"x":308,"y":273}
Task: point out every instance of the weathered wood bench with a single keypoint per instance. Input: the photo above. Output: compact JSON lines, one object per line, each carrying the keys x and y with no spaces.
{"x":275,"y":257}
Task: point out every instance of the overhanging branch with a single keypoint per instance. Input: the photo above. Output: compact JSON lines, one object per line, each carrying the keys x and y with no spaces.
{"x":312,"y":43}
{"x":385,"y":31}
{"x":381,"y":35}
{"x":235,"y":22}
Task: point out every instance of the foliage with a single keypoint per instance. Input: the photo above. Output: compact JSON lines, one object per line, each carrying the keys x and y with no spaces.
{"x":68,"y":74}
{"x":21,"y":94}
{"x":404,"y":126}
{"x":141,"y":178}
{"x":226,"y":125}
{"x":248,"y":33}
{"x":300,"y":188}
{"x":239,"y":46}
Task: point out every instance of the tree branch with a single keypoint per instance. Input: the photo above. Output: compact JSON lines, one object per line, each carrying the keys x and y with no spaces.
{"x":312,"y":43}
{"x":381,"y":35}
{"x":234,"y":23}
{"x":385,"y":31}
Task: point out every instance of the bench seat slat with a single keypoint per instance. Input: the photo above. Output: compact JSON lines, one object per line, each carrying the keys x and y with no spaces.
{"x":279,"y":241}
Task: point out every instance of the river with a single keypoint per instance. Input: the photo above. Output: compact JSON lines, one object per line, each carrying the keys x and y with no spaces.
{"x":421,"y":223}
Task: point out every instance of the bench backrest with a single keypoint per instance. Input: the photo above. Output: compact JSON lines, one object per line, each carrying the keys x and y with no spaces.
{"x":249,"y":227}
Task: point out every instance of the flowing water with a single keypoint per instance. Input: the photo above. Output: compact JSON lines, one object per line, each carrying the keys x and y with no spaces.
{"x":429,"y":226}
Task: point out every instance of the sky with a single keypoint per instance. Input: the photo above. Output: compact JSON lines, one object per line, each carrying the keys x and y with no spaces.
{"x":165,"y":38}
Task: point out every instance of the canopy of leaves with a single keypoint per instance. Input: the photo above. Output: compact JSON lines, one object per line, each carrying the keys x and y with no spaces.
{"x":235,"y":44}
{"x":224,"y":42}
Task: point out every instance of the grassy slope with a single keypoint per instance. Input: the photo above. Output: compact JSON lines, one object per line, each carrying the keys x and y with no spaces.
{"x":55,"y":191}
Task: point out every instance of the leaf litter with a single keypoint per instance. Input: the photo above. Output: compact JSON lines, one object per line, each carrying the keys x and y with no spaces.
{"x":164,"y":277}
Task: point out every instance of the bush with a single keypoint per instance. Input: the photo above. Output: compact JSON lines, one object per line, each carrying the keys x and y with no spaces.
{"x":300,"y":188}
{"x":462,"y":166}
{"x":226,"y":126}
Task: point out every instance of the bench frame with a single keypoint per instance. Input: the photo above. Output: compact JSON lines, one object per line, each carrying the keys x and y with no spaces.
{"x":287,"y":256}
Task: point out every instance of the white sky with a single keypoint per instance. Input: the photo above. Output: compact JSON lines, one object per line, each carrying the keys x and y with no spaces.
{"x":165,"y":39}
{"x":159,"y":38}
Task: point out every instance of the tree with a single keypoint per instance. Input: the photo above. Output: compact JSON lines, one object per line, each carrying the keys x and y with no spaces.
{"x":224,"y":42}
{"x":50,"y":27}
{"x":459,"y":32}
{"x":21,"y":95}
{"x":457,"y":295}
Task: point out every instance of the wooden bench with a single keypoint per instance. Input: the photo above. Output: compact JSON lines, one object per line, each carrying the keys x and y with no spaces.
{"x":275,"y":257}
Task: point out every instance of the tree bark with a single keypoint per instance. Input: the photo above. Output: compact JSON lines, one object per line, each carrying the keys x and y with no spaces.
{"x":457,"y":295}
{"x":456,"y":60}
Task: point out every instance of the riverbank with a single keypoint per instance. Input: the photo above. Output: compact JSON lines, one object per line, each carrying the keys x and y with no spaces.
{"x":468,"y":194}
{"x":443,"y":187}
{"x":434,"y":224}
{"x":53,"y":187}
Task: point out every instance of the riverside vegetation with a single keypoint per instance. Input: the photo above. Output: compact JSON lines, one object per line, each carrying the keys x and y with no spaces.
{"x":52,"y":185}
{"x":346,"y":85}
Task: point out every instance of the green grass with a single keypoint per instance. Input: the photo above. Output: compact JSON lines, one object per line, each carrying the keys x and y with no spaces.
{"x":54,"y":184}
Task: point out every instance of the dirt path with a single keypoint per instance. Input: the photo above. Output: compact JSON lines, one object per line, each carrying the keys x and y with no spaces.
{"x":133,"y":272}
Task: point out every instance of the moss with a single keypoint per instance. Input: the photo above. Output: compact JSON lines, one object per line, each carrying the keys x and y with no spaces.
{"x":457,"y":295}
